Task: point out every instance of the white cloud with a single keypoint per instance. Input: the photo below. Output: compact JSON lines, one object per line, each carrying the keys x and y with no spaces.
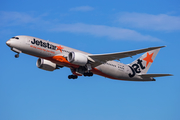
{"x":104,"y":31}
{"x":15,"y":18}
{"x":161,"y":22}
{"x":82,"y":8}
{"x":9,"y":19}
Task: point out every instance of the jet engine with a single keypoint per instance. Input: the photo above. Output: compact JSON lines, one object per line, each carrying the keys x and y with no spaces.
{"x":46,"y":65}
{"x":77,"y":58}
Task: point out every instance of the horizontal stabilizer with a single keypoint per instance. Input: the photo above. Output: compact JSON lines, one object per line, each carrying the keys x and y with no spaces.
{"x":154,"y":75}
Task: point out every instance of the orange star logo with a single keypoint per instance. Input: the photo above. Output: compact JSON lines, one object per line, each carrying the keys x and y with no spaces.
{"x":59,"y":48}
{"x":148,"y":58}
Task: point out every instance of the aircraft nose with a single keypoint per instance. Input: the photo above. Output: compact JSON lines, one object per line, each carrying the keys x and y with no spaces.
{"x":8,"y":43}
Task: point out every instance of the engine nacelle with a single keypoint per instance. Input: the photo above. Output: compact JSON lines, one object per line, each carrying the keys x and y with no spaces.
{"x":77,"y":58}
{"x":46,"y":65}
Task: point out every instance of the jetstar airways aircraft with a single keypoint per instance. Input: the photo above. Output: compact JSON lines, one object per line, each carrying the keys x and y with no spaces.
{"x":54,"y":56}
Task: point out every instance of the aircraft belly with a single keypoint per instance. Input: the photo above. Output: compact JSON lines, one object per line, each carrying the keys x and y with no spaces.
{"x":118,"y":73}
{"x":111,"y":71}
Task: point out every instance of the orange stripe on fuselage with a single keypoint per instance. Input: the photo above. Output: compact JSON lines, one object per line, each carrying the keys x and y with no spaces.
{"x":65,"y":62}
{"x":60,"y":60}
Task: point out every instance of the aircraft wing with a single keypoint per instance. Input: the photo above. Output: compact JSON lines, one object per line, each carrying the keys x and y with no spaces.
{"x":102,"y":58}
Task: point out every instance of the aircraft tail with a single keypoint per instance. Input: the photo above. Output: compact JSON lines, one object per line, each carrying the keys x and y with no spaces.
{"x":143,"y":63}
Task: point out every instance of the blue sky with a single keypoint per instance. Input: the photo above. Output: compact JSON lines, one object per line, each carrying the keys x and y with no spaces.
{"x":29,"y":93}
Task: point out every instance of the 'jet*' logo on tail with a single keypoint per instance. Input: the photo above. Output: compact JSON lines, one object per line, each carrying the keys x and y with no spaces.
{"x":148,"y":58}
{"x":137,"y":67}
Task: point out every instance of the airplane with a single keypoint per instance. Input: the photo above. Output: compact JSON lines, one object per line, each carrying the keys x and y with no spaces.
{"x":52,"y":56}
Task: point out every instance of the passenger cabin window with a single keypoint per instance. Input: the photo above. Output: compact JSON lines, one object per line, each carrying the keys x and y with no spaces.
{"x":15,"y":38}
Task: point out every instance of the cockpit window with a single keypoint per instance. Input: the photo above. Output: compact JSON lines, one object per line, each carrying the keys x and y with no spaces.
{"x":15,"y":38}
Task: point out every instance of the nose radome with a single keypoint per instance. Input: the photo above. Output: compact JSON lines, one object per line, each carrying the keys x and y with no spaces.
{"x":8,"y":43}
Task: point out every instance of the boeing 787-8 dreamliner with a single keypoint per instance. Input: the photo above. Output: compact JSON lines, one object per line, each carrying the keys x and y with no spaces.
{"x":52,"y":56}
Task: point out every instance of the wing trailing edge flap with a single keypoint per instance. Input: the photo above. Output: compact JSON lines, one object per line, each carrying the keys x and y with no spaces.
{"x":102,"y":58}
